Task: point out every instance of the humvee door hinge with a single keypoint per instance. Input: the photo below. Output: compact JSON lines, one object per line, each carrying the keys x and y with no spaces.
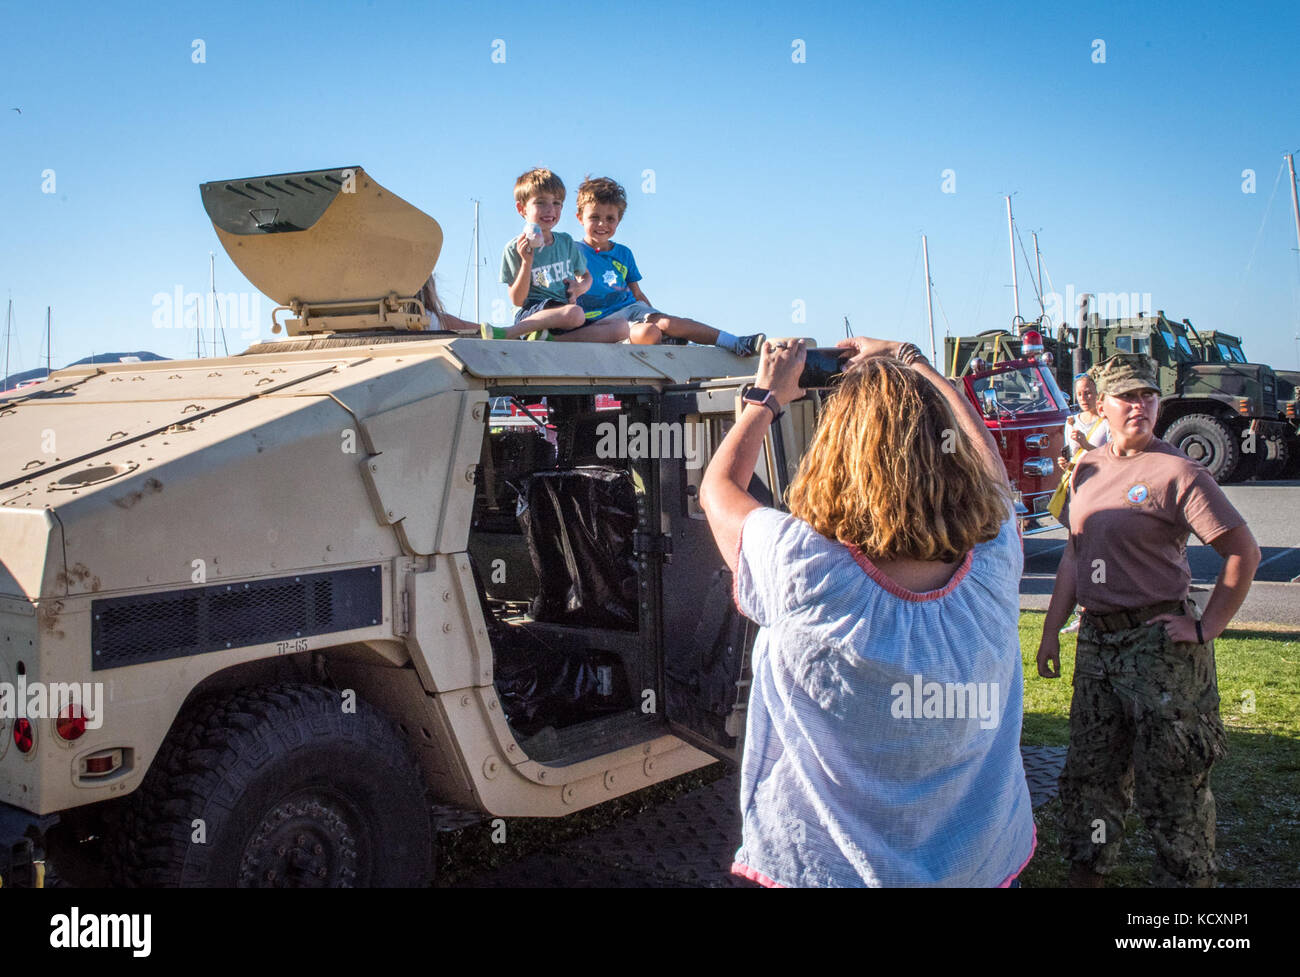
{"x":652,"y":543}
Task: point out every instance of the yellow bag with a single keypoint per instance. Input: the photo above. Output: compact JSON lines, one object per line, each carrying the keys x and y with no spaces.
{"x":1057,"y":502}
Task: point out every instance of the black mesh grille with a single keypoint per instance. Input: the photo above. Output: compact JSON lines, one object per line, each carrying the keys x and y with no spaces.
{"x":154,"y":627}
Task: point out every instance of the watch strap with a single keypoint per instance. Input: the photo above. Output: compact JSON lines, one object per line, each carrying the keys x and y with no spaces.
{"x":764,"y":398}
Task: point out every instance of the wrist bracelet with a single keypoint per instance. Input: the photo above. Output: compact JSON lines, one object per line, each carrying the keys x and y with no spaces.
{"x":1200,"y":635}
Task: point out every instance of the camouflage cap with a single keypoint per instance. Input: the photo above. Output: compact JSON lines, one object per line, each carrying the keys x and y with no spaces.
{"x":1124,"y":373}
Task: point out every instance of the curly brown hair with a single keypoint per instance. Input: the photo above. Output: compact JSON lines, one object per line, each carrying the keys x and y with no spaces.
{"x":602,"y":190}
{"x":890,"y":471}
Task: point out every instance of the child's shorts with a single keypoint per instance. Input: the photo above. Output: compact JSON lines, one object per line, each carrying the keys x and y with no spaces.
{"x":636,"y":312}
{"x":537,"y":307}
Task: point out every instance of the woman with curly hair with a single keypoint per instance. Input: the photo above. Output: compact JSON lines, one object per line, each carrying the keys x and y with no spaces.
{"x":883,"y":738}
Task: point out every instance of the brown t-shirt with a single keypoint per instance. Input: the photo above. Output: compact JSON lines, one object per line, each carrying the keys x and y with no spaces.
{"x":1129,"y":518}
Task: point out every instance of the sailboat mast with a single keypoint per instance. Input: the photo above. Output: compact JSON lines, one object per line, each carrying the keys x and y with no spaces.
{"x":929,"y":308}
{"x":1038,"y":260}
{"x":476,"y":315}
{"x":1295,"y":207}
{"x":1295,"y":202}
{"x":1015,"y":281}
{"x":9,"y":317}
{"x":212,"y":298}
{"x":48,"y":334}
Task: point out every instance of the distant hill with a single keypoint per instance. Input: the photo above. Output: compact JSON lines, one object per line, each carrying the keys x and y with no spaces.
{"x":39,"y":373}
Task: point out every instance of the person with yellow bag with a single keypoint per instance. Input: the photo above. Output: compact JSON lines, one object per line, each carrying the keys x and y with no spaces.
{"x":1083,"y":432}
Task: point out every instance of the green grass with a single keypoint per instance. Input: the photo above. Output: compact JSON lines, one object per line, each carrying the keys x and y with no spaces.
{"x":1255,"y":786}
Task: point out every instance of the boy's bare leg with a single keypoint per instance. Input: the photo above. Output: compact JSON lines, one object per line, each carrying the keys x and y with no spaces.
{"x":556,"y":319}
{"x":689,"y":329}
{"x":644,"y":333}
{"x":604,"y":331}
{"x":698,"y":332}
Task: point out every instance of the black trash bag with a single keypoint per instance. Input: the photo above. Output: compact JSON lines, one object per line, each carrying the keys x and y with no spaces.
{"x":579,"y":525}
{"x":540,"y":686}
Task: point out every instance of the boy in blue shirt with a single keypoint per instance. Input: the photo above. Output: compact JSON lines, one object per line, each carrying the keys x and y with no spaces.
{"x":614,"y":294}
{"x":545,"y":282}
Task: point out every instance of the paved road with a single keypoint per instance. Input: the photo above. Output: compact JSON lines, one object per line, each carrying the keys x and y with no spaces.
{"x":1272,"y":509}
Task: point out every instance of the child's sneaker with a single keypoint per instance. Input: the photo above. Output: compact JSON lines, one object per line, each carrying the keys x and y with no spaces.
{"x":488,"y":331}
{"x":749,"y":345}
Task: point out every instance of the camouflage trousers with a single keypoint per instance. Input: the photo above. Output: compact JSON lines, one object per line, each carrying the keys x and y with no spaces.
{"x":1144,"y":720}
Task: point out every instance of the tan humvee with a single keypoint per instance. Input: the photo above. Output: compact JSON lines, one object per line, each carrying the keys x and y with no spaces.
{"x":323,"y":591}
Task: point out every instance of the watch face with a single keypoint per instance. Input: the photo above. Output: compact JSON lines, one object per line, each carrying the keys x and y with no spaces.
{"x":755,"y":395}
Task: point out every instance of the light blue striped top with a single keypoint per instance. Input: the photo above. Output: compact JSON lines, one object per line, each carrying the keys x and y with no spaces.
{"x":883,"y":735}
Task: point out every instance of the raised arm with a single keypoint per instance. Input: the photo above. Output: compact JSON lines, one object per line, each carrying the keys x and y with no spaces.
{"x":524,"y":273}
{"x":724,"y":491}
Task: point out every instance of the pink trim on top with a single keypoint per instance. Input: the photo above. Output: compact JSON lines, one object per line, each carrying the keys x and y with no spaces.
{"x":876,"y":574}
{"x":1033,"y":847}
{"x":754,"y":875}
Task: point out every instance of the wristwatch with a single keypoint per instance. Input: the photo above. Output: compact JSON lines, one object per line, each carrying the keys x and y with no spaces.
{"x":764,"y":398}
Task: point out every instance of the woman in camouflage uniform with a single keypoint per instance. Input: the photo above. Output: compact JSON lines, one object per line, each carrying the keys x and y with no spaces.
{"x":1145,"y":712}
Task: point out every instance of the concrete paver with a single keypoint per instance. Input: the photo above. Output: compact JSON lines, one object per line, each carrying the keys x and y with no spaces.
{"x":687,"y":842}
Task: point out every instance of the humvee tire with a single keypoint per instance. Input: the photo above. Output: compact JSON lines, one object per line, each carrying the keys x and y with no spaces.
{"x":1208,"y":440}
{"x":289,"y":790}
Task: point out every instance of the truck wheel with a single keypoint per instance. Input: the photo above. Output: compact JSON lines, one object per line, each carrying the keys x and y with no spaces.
{"x":278,"y":787}
{"x":1211,"y":442}
{"x":1278,"y":457}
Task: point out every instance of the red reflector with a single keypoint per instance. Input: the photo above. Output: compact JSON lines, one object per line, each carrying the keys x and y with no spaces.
{"x":99,"y":764}
{"x":71,"y":723}
{"x":24,"y":737}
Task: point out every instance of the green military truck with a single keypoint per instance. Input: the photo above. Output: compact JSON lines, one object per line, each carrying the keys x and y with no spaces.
{"x":1223,"y":412}
{"x":1282,"y":457}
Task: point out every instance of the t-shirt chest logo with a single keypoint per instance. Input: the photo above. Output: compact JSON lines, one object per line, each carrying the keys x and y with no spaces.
{"x":611,"y":278}
{"x":1138,"y":494}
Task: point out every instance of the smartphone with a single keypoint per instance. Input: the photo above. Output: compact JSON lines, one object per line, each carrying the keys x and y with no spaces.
{"x":823,"y":367}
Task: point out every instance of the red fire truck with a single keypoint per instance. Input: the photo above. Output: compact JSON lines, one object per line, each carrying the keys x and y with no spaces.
{"x":1026,"y":411}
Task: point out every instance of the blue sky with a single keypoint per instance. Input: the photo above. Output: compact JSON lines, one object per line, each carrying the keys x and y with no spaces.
{"x":775,"y":181}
